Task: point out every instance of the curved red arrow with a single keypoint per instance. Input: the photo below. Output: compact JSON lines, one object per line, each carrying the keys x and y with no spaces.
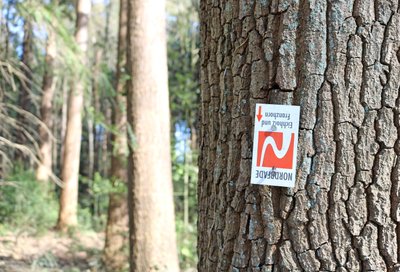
{"x":259,"y":115}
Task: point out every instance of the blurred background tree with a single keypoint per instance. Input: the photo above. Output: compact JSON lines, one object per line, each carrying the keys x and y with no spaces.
{"x":39,"y":61}
{"x":183,"y":64}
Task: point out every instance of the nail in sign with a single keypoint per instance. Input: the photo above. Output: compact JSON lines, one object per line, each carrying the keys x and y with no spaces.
{"x":276,"y":132}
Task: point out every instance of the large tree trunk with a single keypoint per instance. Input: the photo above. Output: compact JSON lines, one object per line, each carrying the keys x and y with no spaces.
{"x":151,"y":209}
{"x":46,"y":143}
{"x":72,"y":144}
{"x":117,"y":223}
{"x":338,"y":60}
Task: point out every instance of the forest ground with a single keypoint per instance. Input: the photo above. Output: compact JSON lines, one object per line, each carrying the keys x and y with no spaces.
{"x":51,"y":252}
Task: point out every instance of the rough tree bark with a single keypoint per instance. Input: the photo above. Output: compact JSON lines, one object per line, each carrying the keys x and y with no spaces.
{"x":151,"y":209}
{"x":117,"y":223}
{"x":72,"y":143}
{"x":46,"y":144}
{"x":338,"y":60}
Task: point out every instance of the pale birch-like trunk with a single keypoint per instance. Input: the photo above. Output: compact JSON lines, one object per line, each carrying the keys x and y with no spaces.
{"x":151,"y":208}
{"x":338,"y":60}
{"x":72,"y":144}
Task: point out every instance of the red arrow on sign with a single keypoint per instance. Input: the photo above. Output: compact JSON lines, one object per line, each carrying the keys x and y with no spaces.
{"x":259,"y":115}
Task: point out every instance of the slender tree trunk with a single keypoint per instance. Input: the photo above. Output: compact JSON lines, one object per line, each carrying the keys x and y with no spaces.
{"x":92,"y":102}
{"x":186,"y":164}
{"x":90,"y":163}
{"x":3,"y":29}
{"x":27,"y":59}
{"x":64,"y":114}
{"x":106,"y":108}
{"x":151,"y":209}
{"x":24,"y":98}
{"x":106,"y":144}
{"x":116,"y":233}
{"x":72,"y":144}
{"x":96,"y":102}
{"x":338,"y":60}
{"x":7,"y":29}
{"x":55,"y":131}
{"x":117,"y":223}
{"x":46,"y":143}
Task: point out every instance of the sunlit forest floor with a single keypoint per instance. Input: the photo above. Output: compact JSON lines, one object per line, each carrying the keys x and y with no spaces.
{"x":51,"y":252}
{"x":28,"y":242}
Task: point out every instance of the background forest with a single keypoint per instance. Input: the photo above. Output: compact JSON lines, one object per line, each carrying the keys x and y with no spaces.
{"x":40,"y":57}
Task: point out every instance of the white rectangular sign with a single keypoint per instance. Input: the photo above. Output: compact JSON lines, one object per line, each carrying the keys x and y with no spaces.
{"x":276,"y":131}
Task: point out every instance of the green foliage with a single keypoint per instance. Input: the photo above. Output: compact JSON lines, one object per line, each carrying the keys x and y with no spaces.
{"x":12,"y":79}
{"x":51,"y":17}
{"x":25,"y":204}
{"x":181,"y":170}
{"x":101,"y":186}
{"x":47,"y":260}
{"x":93,"y":200}
{"x":183,"y":48}
{"x":183,"y":62}
{"x":186,"y":236}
